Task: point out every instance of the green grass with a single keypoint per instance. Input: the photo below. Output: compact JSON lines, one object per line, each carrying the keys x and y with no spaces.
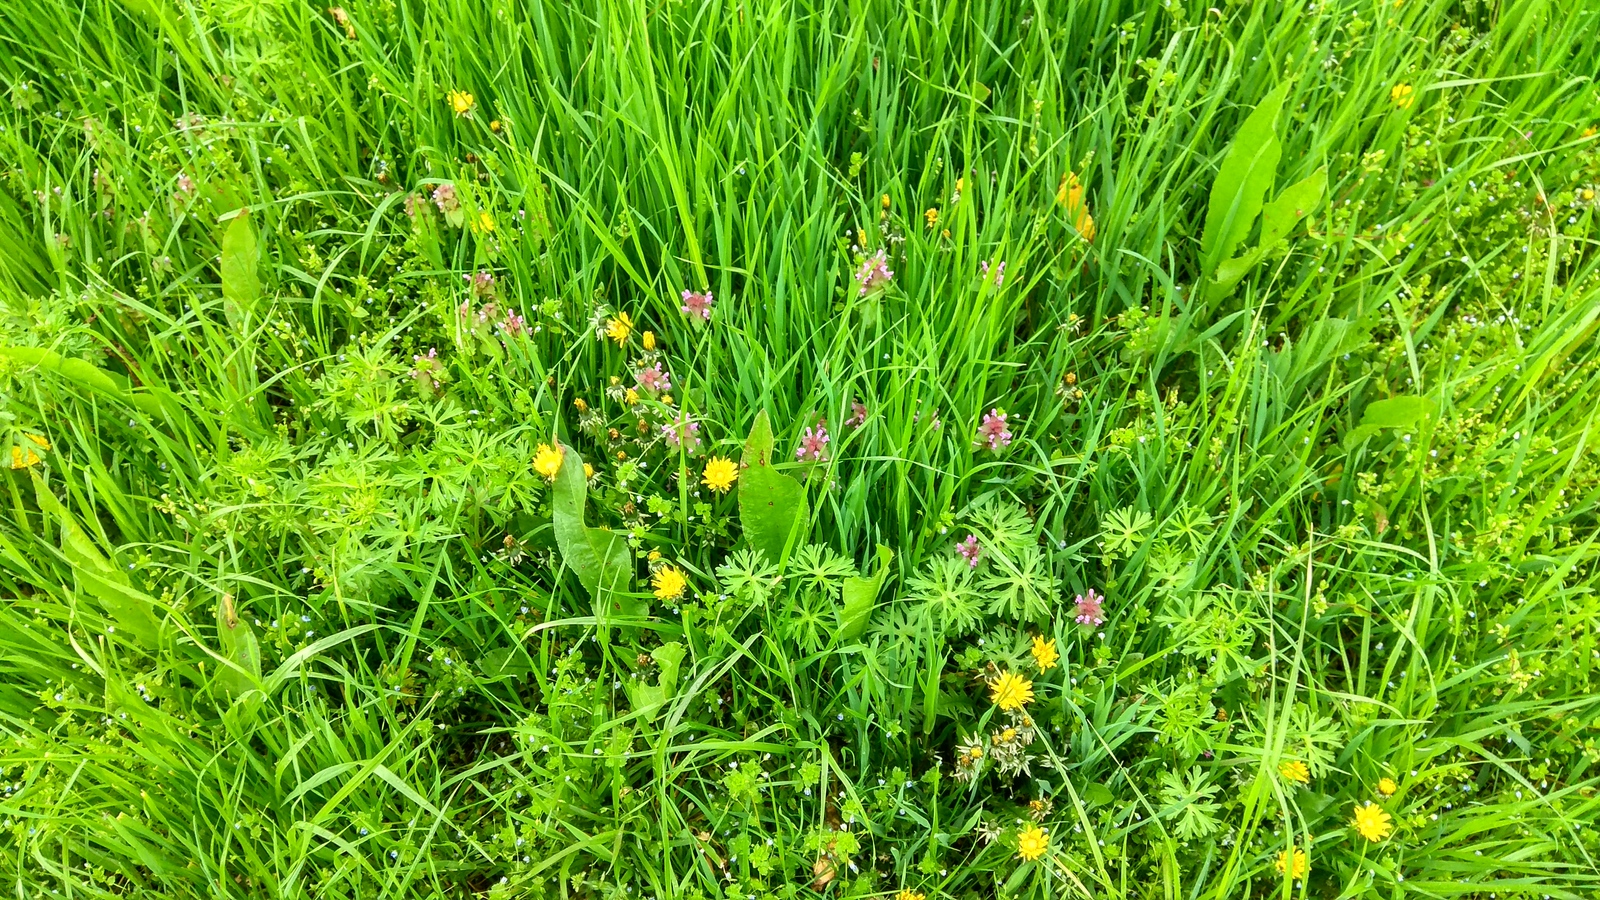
{"x":1343,"y":515}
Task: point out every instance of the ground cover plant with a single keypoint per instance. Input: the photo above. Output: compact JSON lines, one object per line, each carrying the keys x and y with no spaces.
{"x":799,"y":449}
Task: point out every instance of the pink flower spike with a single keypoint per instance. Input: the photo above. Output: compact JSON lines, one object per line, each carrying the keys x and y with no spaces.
{"x":874,"y":272}
{"x":444,"y":197}
{"x":993,"y":433}
{"x":654,"y":379}
{"x":697,"y":305}
{"x":814,"y":443}
{"x":969,"y":550}
{"x":1090,"y":610}
{"x":682,"y":433}
{"x":514,"y":325}
{"x":858,"y":415}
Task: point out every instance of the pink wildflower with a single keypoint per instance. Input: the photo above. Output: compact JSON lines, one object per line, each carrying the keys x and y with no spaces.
{"x":993,"y":433}
{"x":444,"y":197}
{"x":874,"y":271}
{"x":969,"y":550}
{"x":425,"y":367}
{"x":814,"y":443}
{"x":654,"y":379}
{"x":697,"y":305}
{"x":1089,"y":609}
{"x":514,"y":325}
{"x":682,"y":432}
{"x":858,"y":415}
{"x":482,"y":283}
{"x":999,"y":272}
{"x":185,"y":185}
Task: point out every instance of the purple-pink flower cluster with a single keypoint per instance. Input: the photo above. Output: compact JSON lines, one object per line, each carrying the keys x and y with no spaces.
{"x":654,"y":379}
{"x":993,"y":432}
{"x":682,"y":432}
{"x":969,"y":550}
{"x":874,"y":272}
{"x":697,"y":305}
{"x":1090,"y":609}
{"x":814,"y":443}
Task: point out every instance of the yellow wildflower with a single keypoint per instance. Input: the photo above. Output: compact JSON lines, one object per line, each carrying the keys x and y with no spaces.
{"x":1070,"y":196}
{"x":588,"y":471}
{"x":909,"y":894}
{"x":1372,"y":822}
{"x":1294,"y":770}
{"x":669,"y":583}
{"x":631,"y":397}
{"x":619,"y":328}
{"x":932,"y":216}
{"x":1011,"y":691}
{"x":462,"y":102}
{"x":1032,"y":842}
{"x":885,"y":201}
{"x":581,"y":405}
{"x":1387,"y":787}
{"x":23,"y":456}
{"x":719,"y":474}
{"x":1403,"y":95}
{"x":649,"y":339}
{"x":1044,"y":653}
{"x":1294,"y":863}
{"x":485,"y":222}
{"x":547,"y":461}
{"x":494,"y":126}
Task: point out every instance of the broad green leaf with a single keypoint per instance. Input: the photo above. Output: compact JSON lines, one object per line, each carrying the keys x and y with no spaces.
{"x":84,"y":374}
{"x":647,"y":699}
{"x":598,"y":556}
{"x":241,"y":285}
{"x":772,"y":506}
{"x":1294,"y":204}
{"x":239,"y":646}
{"x":1398,"y":412}
{"x":860,"y":594}
{"x":1229,"y":273}
{"x":1242,"y":182}
{"x":96,"y":577}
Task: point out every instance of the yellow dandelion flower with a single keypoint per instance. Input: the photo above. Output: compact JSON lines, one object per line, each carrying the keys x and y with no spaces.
{"x":23,"y":456}
{"x":462,"y":102}
{"x":485,"y":222}
{"x":885,"y":201}
{"x":1032,"y":842}
{"x":1294,"y":770}
{"x":667,"y":399}
{"x":649,"y":339}
{"x":494,"y":126}
{"x":619,"y":328}
{"x":547,"y":461}
{"x":932,"y":216}
{"x":1387,"y":787}
{"x":909,"y":894}
{"x":1011,"y":691}
{"x":1372,"y":822}
{"x":719,"y":474}
{"x":1007,"y":736}
{"x":669,"y":583}
{"x":1403,"y":95}
{"x":1044,"y":653}
{"x":588,"y":471}
{"x":630,"y":397}
{"x":581,"y":405}
{"x":1293,"y":863}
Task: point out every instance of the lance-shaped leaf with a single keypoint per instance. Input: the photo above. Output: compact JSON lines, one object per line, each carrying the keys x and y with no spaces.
{"x":241,"y":257}
{"x":99,"y":581}
{"x":772,"y":506}
{"x":1242,"y":182}
{"x":598,"y":556}
{"x":238,"y":645}
{"x":860,"y":595}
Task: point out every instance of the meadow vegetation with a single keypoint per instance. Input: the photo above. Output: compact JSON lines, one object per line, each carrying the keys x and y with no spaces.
{"x":794,"y":449}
